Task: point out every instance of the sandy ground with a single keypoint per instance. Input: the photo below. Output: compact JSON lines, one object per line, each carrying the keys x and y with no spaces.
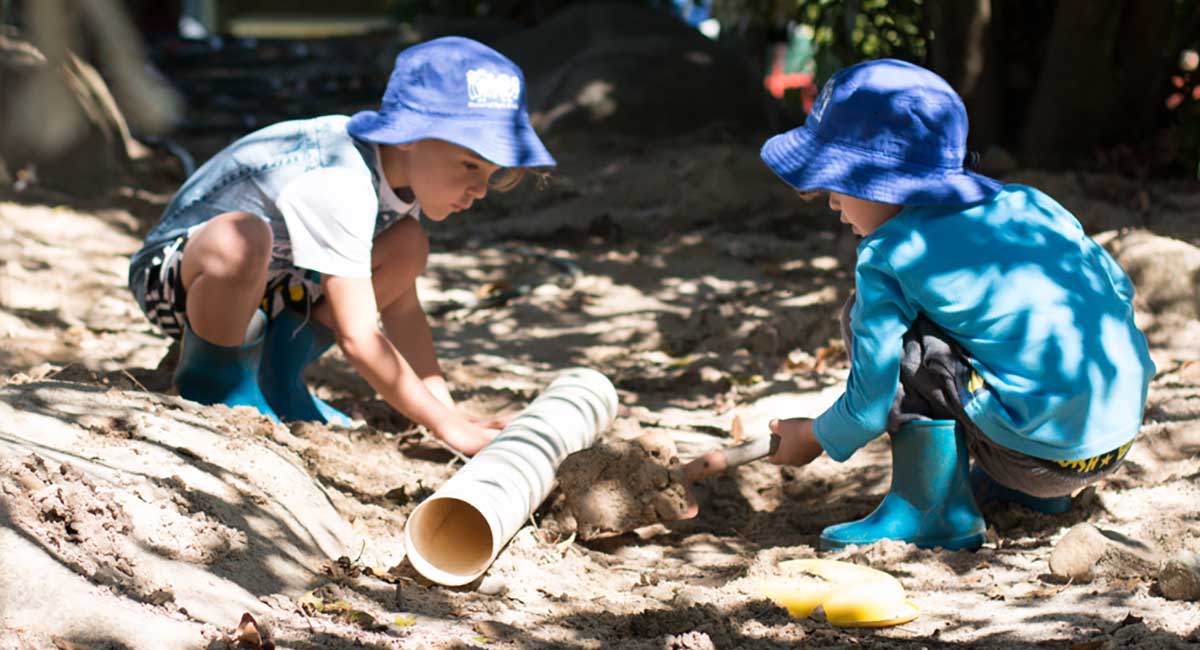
{"x":132,"y":519}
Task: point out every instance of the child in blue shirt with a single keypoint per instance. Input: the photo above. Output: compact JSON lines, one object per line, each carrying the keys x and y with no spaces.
{"x":984,"y":322}
{"x":306,"y":233}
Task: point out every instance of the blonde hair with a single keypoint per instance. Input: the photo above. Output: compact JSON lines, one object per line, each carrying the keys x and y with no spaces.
{"x":507,"y":178}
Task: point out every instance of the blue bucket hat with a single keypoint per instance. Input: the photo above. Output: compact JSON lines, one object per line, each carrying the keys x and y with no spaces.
{"x":461,"y":91}
{"x":886,"y":131}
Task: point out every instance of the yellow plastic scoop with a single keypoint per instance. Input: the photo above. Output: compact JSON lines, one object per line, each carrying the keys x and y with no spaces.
{"x":851,"y":595}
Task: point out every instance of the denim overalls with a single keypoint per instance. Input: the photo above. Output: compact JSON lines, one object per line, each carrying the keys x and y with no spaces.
{"x":248,"y":176}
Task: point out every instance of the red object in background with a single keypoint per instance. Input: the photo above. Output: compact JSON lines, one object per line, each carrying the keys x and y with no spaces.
{"x":777,"y":82}
{"x":1176,"y":98}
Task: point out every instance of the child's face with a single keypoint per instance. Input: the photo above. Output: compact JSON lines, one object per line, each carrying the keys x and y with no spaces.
{"x":863,"y":216}
{"x":444,"y":177}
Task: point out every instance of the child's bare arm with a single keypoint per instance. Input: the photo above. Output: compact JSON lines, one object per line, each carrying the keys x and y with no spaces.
{"x":407,"y":327}
{"x":353,"y":307}
{"x":797,"y":443}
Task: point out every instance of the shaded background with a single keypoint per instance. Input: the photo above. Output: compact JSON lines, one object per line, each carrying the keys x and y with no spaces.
{"x":1107,"y":85}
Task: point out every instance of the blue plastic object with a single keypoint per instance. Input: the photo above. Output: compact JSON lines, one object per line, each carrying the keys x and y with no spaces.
{"x":987,"y":490}
{"x":930,"y":502}
{"x":291,"y":344}
{"x":216,"y":374}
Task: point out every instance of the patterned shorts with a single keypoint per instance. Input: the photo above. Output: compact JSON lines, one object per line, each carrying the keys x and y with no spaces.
{"x":157,"y":285}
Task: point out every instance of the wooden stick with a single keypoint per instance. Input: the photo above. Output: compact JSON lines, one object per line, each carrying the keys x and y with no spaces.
{"x":718,"y":461}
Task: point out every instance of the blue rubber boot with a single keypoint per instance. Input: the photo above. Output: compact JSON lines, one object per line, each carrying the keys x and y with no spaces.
{"x":930,"y":502}
{"x":987,"y":490}
{"x":216,"y":374}
{"x":291,"y":344}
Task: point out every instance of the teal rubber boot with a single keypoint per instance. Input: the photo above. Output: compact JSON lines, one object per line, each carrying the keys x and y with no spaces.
{"x":216,"y":374}
{"x":930,"y":502}
{"x":987,"y":490}
{"x":291,"y":345}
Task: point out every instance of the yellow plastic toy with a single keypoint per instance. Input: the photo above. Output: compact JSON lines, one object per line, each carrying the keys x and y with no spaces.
{"x":851,"y":595}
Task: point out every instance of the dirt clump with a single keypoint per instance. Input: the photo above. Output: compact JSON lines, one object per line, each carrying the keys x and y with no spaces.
{"x":618,"y":486}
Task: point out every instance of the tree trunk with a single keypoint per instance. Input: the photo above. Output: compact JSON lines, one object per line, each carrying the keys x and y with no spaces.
{"x":1102,"y":78}
{"x":962,"y":51}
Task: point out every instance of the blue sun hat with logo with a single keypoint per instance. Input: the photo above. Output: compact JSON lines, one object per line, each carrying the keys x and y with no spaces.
{"x":461,"y":91}
{"x":886,"y":131}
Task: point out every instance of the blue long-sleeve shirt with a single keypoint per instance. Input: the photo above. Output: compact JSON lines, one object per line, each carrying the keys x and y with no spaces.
{"x":1042,"y":312}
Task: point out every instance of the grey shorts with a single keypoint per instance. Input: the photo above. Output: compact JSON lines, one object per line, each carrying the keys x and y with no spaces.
{"x":157,"y":286}
{"x":936,"y":380}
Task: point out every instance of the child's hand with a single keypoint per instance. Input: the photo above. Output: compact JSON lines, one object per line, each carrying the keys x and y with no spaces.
{"x":797,"y":444}
{"x":494,"y":421}
{"x":466,"y":436}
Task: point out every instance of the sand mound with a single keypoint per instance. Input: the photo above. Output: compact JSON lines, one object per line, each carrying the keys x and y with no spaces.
{"x":180,"y":508}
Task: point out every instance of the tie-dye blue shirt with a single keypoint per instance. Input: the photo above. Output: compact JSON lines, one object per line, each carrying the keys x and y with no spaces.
{"x":1041,"y":310}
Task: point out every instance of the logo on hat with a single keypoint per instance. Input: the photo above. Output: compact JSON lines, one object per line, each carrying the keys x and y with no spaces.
{"x":818,"y":108}
{"x":486,"y":89}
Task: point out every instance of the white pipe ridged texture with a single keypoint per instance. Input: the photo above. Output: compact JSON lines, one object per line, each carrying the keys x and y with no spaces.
{"x":456,"y":534}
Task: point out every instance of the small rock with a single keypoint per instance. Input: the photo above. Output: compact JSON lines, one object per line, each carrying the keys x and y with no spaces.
{"x":492,"y":586}
{"x":1179,"y":578}
{"x":1086,"y":552}
{"x":694,"y":640}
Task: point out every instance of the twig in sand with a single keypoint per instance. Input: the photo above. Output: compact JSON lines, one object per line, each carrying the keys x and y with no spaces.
{"x":135,"y":381}
{"x":54,"y":373}
{"x":458,"y":456}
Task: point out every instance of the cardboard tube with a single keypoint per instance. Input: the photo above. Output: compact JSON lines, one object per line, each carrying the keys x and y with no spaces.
{"x":456,"y":534}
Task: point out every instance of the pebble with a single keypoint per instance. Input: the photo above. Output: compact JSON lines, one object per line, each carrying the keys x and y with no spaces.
{"x":1086,"y":552}
{"x":1179,"y":578}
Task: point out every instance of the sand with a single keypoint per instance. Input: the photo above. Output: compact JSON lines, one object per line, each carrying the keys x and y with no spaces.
{"x":132,"y":519}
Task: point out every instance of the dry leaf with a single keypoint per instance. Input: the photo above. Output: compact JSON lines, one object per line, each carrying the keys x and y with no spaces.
{"x":737,"y":430}
{"x":485,"y":290}
{"x":405,"y":621}
{"x":310,"y":603}
{"x":247,"y":633}
{"x":344,"y":610}
{"x":337,"y":607}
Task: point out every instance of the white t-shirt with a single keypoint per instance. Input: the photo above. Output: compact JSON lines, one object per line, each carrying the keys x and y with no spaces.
{"x":323,"y":193}
{"x":331,"y":215}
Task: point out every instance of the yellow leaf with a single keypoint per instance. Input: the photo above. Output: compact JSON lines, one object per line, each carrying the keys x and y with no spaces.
{"x":360,"y":618}
{"x":481,"y":639}
{"x":310,"y":602}
{"x":404,"y":621}
{"x":338,"y":607}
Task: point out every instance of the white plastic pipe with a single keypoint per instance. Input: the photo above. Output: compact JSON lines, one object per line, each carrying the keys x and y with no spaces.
{"x":456,"y":534}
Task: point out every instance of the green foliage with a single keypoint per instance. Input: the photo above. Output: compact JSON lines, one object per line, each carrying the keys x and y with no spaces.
{"x":845,"y":31}
{"x":855,"y":30}
{"x":409,"y":10}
